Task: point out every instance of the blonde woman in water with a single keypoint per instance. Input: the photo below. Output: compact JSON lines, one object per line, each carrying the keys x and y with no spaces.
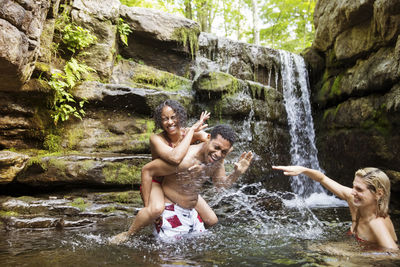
{"x":368,"y":201}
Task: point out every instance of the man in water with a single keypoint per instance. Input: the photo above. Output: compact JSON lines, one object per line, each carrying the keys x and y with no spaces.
{"x":182,"y":183}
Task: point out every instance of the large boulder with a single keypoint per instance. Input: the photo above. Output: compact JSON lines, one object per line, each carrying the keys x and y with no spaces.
{"x":11,"y":164}
{"x":133,"y":74}
{"x":160,"y":40}
{"x":345,"y":14}
{"x":375,"y":74}
{"x":94,"y":169}
{"x":21,"y":24}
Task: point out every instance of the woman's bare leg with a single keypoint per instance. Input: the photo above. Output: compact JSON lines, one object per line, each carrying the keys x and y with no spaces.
{"x":145,"y":216}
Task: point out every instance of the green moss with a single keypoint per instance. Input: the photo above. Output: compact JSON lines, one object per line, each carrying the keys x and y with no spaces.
{"x":122,"y":173}
{"x":52,"y":143}
{"x":87,"y":165}
{"x":74,"y":136}
{"x":58,"y":164}
{"x":124,"y":197}
{"x":42,"y":67}
{"x":79,"y":203}
{"x":323,"y":92}
{"x":335,"y":89}
{"x":107,"y":209}
{"x":4,"y":213}
{"x":379,"y":121}
{"x":259,"y":91}
{"x":36,"y":161}
{"x":152,"y":78}
{"x":187,"y":36}
{"x":218,"y":82}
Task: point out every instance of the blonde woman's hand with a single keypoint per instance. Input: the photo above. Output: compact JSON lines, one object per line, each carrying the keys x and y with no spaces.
{"x":290,"y":170}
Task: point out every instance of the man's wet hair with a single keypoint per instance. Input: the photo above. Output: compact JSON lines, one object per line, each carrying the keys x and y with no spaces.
{"x":225,"y":131}
{"x":179,"y":110}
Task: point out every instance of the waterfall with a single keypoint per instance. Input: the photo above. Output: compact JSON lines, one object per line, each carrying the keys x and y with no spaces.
{"x":297,"y":104}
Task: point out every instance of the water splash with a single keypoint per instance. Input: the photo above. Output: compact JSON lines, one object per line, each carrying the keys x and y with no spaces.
{"x":297,"y":104}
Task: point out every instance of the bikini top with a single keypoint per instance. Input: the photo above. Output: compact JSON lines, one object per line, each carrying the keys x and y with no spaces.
{"x":169,"y":141}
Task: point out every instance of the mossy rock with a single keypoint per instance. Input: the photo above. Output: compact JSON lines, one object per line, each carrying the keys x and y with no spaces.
{"x":188,"y":37}
{"x":216,"y":83}
{"x":137,"y":75}
{"x":119,"y":173}
{"x":126,"y":197}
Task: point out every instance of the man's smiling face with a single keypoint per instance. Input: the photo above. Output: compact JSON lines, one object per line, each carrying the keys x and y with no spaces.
{"x":217,"y":149}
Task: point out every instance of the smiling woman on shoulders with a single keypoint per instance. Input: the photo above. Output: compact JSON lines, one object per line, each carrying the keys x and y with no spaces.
{"x":368,"y":201}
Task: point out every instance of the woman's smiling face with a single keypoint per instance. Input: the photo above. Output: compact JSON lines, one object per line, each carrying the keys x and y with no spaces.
{"x":169,"y":120}
{"x":362,"y":194}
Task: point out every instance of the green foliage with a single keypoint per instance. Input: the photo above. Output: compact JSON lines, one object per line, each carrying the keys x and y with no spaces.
{"x":284,"y":24}
{"x":124,"y":30}
{"x":77,"y":38}
{"x":64,"y":105}
{"x":288,"y":24}
{"x":140,"y":3}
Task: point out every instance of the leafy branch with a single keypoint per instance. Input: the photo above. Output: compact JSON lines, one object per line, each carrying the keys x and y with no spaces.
{"x":64,"y":105}
{"x":124,"y":30}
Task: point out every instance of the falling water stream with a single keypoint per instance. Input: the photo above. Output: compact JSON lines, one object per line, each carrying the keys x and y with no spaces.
{"x":297,"y":104}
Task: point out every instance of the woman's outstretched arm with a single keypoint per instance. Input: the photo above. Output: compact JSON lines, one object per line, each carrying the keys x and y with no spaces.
{"x":339,"y":190}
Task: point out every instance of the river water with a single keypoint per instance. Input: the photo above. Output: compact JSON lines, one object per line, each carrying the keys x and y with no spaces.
{"x":256,"y":228}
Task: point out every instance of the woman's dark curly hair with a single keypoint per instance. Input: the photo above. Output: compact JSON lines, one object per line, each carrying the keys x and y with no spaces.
{"x":179,"y":110}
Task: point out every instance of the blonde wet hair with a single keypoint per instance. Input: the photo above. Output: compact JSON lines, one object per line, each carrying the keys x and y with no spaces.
{"x":375,"y":179}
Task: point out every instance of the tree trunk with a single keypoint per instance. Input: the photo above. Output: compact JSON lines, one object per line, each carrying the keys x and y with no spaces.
{"x":256,"y":26}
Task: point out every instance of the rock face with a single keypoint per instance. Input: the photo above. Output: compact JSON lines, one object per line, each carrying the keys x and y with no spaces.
{"x":355,"y":66}
{"x":166,"y":58}
{"x":11,"y":164}
{"x":21,"y":24}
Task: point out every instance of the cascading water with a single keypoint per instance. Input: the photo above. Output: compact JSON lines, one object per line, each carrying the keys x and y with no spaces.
{"x":297,"y":103}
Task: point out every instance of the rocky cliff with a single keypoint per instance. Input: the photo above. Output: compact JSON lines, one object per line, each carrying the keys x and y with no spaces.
{"x":355,"y":77}
{"x":164,"y":57}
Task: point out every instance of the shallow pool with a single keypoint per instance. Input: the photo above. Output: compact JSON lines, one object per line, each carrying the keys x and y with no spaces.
{"x":256,"y":228}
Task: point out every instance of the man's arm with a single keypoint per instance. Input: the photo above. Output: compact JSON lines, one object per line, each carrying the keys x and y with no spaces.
{"x":219,"y":176}
{"x":157,"y":167}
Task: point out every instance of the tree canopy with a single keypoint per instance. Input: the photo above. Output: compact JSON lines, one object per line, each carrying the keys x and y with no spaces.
{"x":279,"y":24}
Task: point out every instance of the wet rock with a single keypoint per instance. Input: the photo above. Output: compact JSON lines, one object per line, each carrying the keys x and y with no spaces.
{"x":36,"y":223}
{"x":270,"y":203}
{"x":64,"y":210}
{"x":29,"y":205}
{"x":241,"y":60}
{"x":79,"y":223}
{"x":11,"y":164}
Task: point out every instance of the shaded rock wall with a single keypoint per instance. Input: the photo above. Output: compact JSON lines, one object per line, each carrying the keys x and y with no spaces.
{"x":355,"y":71}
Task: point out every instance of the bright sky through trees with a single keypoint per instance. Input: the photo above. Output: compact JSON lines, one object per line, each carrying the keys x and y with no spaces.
{"x":279,"y":24}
